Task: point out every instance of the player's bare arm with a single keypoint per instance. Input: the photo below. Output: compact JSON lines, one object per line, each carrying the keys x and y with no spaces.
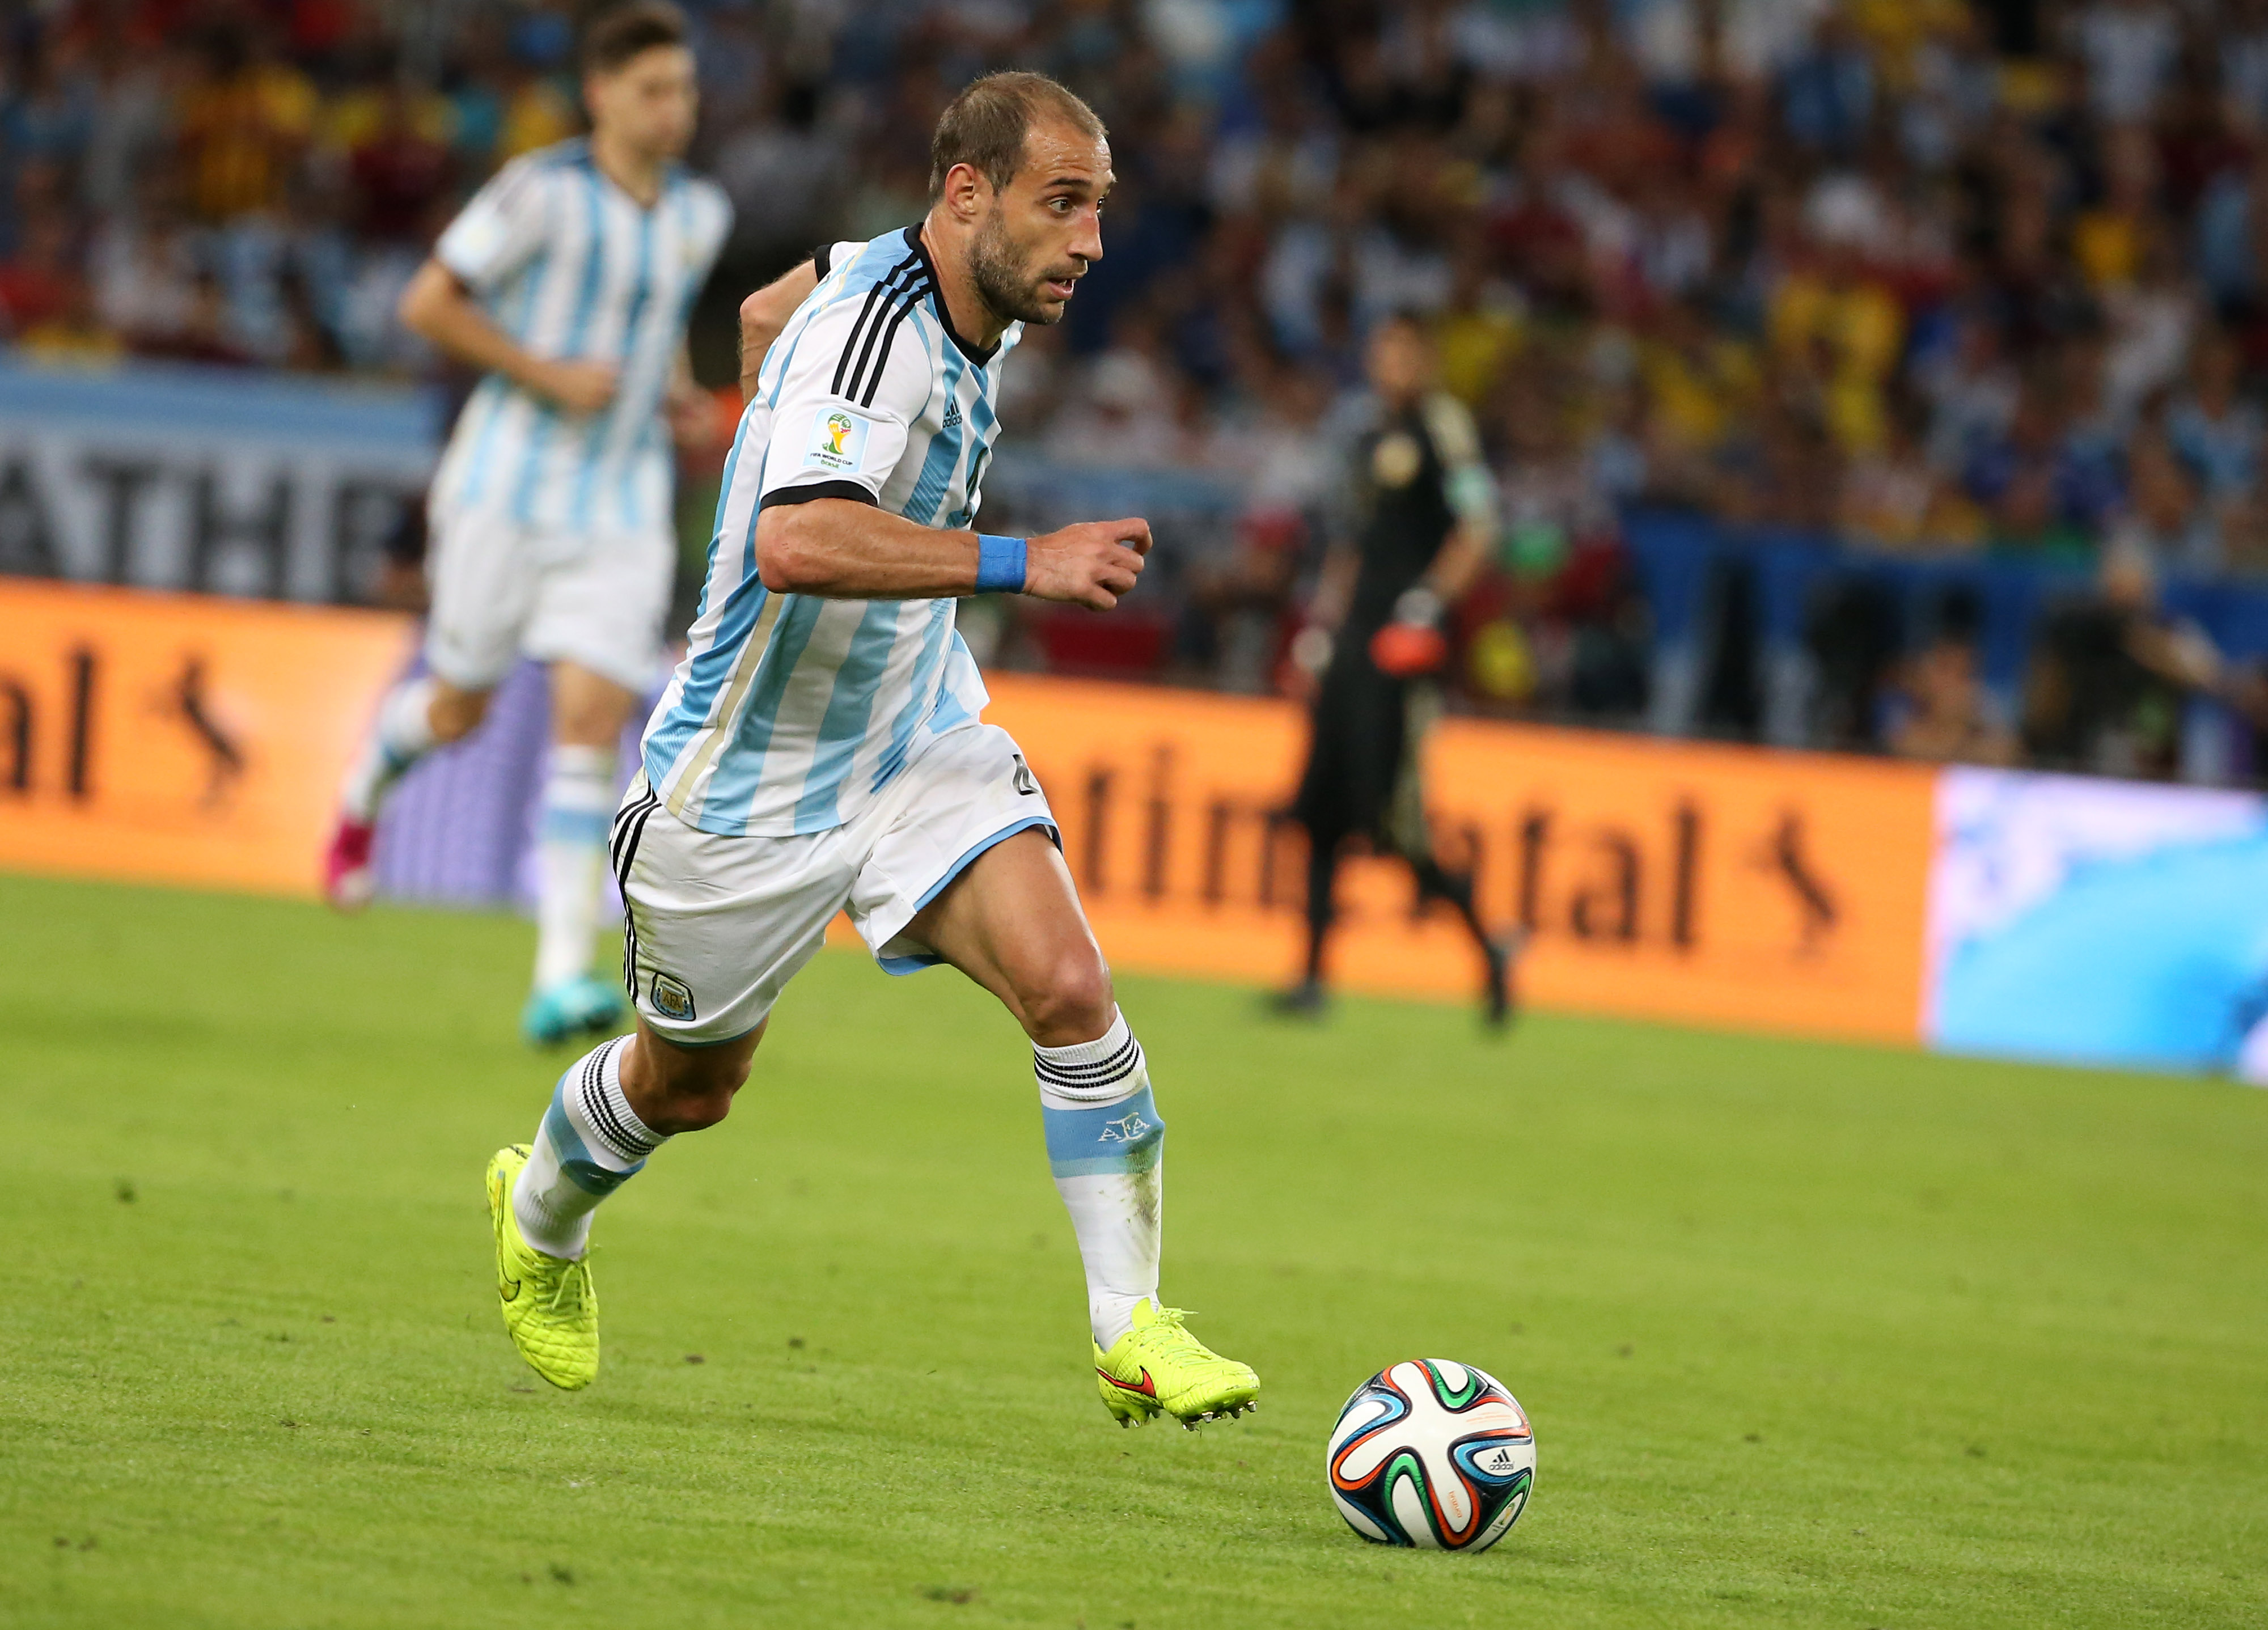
{"x":838,"y":548}
{"x":441,"y":311}
{"x":764,"y":313}
{"x":1460,"y":562}
{"x":691,"y":411}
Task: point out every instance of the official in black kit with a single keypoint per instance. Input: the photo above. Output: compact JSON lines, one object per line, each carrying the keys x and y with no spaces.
{"x":1420,"y":524}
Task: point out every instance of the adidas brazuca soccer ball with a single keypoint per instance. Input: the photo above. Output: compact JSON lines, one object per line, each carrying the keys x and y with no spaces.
{"x":1432,"y":1453}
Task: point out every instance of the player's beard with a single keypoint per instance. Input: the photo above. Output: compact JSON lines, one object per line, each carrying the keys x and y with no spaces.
{"x":1008,"y":288}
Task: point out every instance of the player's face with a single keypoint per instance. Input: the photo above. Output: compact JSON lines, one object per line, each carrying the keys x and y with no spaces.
{"x":648,"y":103}
{"x":1399,"y":362}
{"x":1044,"y":229}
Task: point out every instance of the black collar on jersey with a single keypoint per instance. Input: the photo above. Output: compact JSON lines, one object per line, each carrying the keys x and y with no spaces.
{"x":945,"y":311}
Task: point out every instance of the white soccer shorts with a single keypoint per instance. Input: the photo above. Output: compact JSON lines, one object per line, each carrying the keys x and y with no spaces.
{"x":501,"y":590}
{"x":714,"y":927}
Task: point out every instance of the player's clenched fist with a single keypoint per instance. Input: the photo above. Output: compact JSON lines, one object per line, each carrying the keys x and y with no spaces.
{"x":578,"y":387}
{"x":1091,"y":564}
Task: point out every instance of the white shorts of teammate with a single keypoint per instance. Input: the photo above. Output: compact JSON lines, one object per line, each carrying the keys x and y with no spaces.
{"x":502,"y":590}
{"x":715,"y":927}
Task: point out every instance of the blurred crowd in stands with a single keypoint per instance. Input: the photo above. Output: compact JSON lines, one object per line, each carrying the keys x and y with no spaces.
{"x":1938,"y":277}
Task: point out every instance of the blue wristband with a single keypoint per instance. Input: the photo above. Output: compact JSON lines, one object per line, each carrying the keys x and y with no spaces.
{"x":1000,"y":564}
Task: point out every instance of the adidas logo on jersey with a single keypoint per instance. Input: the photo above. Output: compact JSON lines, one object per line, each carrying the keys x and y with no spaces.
{"x":951,"y":415}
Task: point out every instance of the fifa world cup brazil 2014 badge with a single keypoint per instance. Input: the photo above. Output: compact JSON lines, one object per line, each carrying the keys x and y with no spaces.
{"x":671,"y":999}
{"x":838,"y":440}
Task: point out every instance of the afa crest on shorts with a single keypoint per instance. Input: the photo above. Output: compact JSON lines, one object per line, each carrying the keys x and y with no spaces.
{"x":672,"y":998}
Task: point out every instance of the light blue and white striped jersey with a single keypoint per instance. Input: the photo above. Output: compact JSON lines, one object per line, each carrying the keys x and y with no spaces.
{"x":571,"y":266}
{"x":790,"y":711}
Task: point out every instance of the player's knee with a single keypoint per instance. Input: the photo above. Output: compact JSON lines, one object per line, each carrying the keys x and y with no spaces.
{"x":1075,"y":1005}
{"x":689,"y":1109}
{"x":590,"y":724}
{"x":677,"y":1089}
{"x":697,"y":1098}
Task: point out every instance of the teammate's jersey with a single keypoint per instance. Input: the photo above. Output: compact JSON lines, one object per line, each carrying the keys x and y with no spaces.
{"x":571,"y":266}
{"x":790,"y":711}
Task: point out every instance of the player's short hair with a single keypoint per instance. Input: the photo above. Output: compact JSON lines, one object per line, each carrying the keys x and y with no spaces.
{"x":986,"y":125}
{"x":622,"y":31}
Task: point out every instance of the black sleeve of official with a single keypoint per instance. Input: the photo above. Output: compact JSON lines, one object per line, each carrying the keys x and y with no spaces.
{"x":821,"y":257}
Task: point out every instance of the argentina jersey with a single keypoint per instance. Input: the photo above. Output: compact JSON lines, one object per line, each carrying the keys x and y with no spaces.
{"x":790,"y":711}
{"x":571,"y":266}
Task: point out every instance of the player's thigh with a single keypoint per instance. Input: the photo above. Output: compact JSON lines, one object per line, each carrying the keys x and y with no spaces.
{"x":966,"y":871}
{"x":715,"y":927}
{"x":602,"y":608}
{"x":1012,"y":922}
{"x":483,"y":587}
{"x":587,"y":709}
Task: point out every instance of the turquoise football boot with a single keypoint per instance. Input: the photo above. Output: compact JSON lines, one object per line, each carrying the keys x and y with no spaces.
{"x":583,"y":1006}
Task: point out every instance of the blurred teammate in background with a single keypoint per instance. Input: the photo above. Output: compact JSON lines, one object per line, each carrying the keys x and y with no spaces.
{"x":567,"y":280}
{"x":1424,"y":524}
{"x":821,"y":749}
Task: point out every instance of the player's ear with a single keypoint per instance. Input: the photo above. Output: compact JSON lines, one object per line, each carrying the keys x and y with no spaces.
{"x":967,"y":193}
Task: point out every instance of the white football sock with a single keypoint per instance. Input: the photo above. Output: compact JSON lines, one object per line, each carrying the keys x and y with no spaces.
{"x":1107,"y":1146}
{"x":571,"y":850}
{"x":590,"y":1144}
{"x":402,"y":735}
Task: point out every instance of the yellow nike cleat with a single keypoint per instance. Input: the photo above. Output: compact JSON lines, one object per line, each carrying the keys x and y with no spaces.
{"x":1159,"y":1365}
{"x":550,"y":1306}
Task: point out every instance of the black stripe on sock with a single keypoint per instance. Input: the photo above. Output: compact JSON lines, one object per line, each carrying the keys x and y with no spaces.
{"x":1040,"y":1058}
{"x":608,"y":1125}
{"x":1088,"y":1077}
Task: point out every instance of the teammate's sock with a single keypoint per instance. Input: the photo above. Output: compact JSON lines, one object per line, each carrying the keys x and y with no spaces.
{"x":570,"y":849}
{"x":1106,"y":1147}
{"x":590,"y":1144}
{"x":402,"y":734}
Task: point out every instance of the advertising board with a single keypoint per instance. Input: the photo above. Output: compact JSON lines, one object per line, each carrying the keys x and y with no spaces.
{"x":214,"y":480}
{"x":197,"y":740}
{"x":1722,"y":885}
{"x":178,"y":737}
{"x":2099,"y":922}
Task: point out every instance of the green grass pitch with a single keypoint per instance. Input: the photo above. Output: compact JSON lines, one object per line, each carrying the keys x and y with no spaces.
{"x":1812,"y":1335}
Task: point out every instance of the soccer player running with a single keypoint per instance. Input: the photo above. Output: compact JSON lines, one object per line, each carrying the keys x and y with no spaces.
{"x":819,"y":749}
{"x":1425,"y":510}
{"x":567,"y":279}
